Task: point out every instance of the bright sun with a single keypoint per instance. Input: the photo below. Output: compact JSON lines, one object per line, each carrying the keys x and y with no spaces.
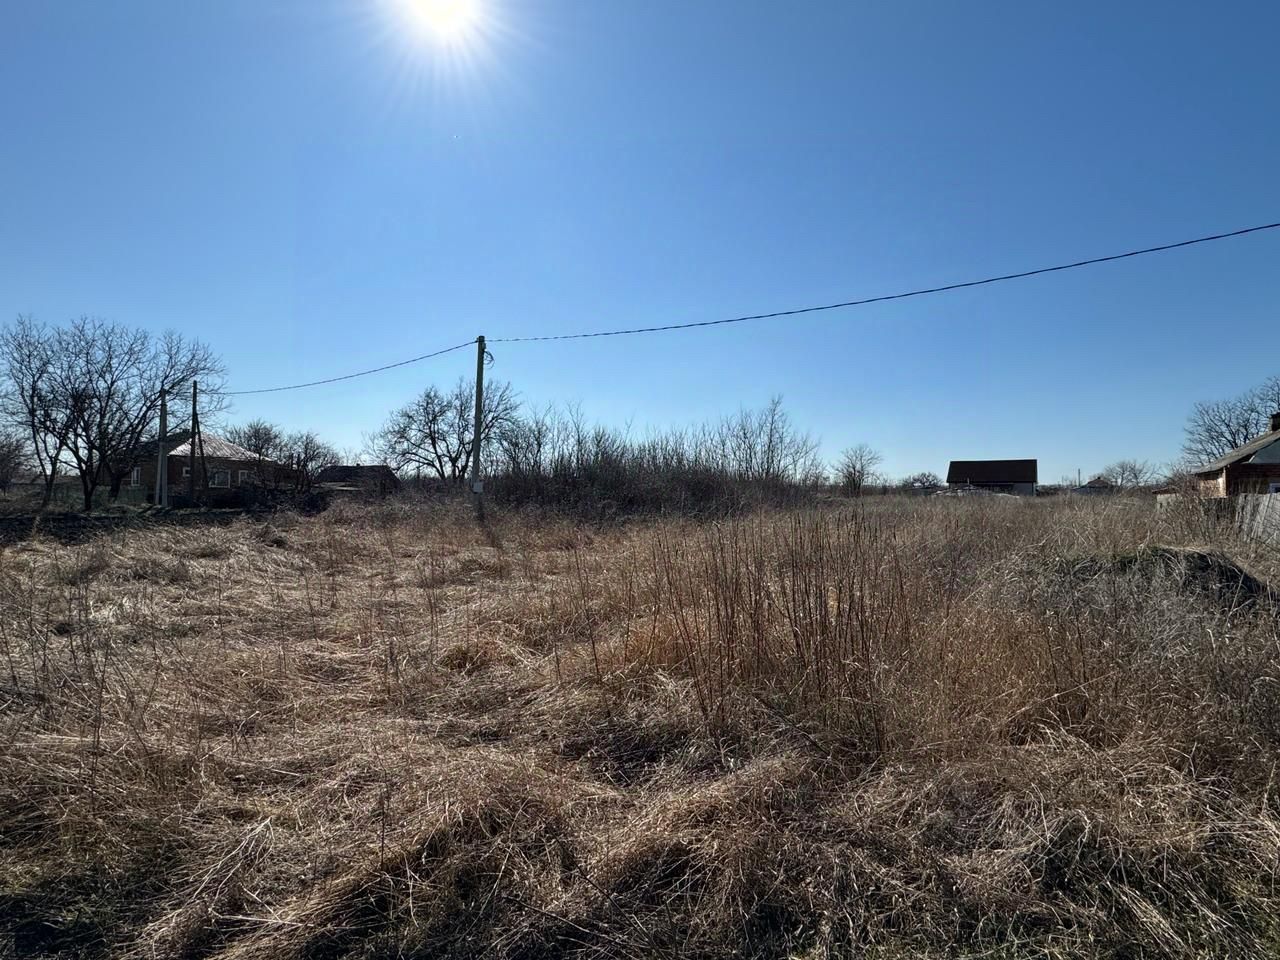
{"x":449,"y":20}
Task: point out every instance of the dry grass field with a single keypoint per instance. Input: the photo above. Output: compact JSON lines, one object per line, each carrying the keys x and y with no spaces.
{"x":914,"y":728}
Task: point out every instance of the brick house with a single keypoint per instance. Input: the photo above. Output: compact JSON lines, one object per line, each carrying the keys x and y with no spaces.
{"x":229,"y":467}
{"x":1253,"y":467}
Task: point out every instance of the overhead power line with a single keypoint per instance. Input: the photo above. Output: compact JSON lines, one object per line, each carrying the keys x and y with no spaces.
{"x":893,"y":296}
{"x":924,"y":291}
{"x":352,"y":376}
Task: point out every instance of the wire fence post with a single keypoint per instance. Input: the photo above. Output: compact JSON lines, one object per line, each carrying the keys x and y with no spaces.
{"x":477,"y":484}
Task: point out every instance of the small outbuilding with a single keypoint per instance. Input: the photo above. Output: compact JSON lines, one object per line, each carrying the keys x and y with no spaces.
{"x":1018,"y":477}
{"x":374,"y":478}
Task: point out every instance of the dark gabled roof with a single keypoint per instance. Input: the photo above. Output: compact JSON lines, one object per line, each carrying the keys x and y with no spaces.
{"x":1241,"y":453}
{"x":356,"y":473}
{"x":1100,"y":483}
{"x":992,"y":471}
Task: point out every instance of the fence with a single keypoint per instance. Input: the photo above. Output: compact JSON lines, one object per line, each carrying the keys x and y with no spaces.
{"x":1257,"y":515}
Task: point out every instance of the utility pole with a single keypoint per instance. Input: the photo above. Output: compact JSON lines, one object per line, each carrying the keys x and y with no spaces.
{"x":204,"y":466}
{"x":477,"y":485}
{"x":195,"y":431}
{"x":162,"y":461}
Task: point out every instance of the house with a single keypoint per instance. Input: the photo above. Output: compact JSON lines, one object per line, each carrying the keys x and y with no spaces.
{"x":1096,"y":486}
{"x":227,"y":466}
{"x":377,"y":478}
{"x":999,"y":476}
{"x":1251,"y":468}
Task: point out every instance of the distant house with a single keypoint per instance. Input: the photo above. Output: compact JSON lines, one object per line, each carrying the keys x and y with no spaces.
{"x":228,"y":466}
{"x":377,"y":478}
{"x":1098,"y":485}
{"x":1251,"y":468}
{"x":998,"y":476}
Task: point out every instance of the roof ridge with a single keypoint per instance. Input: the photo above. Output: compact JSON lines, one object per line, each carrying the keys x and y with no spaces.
{"x":1241,"y":452}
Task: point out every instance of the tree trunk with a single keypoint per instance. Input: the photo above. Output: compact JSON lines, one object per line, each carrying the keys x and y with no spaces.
{"x":89,"y":481}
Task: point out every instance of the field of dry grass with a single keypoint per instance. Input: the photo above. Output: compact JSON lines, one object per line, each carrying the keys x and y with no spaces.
{"x":911,"y":729}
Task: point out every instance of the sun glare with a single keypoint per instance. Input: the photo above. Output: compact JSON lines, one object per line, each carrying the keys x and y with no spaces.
{"x":450,"y":21}
{"x":438,"y":47}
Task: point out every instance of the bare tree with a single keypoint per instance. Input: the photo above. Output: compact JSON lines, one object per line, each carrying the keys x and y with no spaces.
{"x":294,"y":458}
{"x":434,"y":434}
{"x":856,"y":467}
{"x":522,"y":446}
{"x":1218,"y":427}
{"x":108,"y":378}
{"x":88,"y":394}
{"x":763,"y":446}
{"x":1131,"y":474}
{"x":266,"y":442}
{"x":307,"y":455}
{"x":29,"y":401}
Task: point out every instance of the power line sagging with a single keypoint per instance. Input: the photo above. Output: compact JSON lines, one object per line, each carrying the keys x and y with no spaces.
{"x":924,"y":291}
{"x":351,"y":376}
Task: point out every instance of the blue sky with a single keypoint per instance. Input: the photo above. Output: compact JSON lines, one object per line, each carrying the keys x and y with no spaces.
{"x":319,"y":187}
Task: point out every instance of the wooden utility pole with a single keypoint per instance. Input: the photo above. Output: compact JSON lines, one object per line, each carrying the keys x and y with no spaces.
{"x":162,"y":460}
{"x":204,"y":466}
{"x":477,"y":484}
{"x":195,"y":431}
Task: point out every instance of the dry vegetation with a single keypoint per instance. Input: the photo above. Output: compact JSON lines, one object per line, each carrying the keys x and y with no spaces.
{"x":918,"y":728}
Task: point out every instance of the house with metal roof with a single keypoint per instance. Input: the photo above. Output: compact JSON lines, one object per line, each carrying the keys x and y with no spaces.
{"x":1253,"y":467}
{"x":1018,"y":477}
{"x":227,"y":466}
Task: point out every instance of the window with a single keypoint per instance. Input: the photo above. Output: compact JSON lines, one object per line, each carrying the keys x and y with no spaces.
{"x":219,"y":478}
{"x":135,"y":477}
{"x":186,"y":471}
{"x":246,"y":477}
